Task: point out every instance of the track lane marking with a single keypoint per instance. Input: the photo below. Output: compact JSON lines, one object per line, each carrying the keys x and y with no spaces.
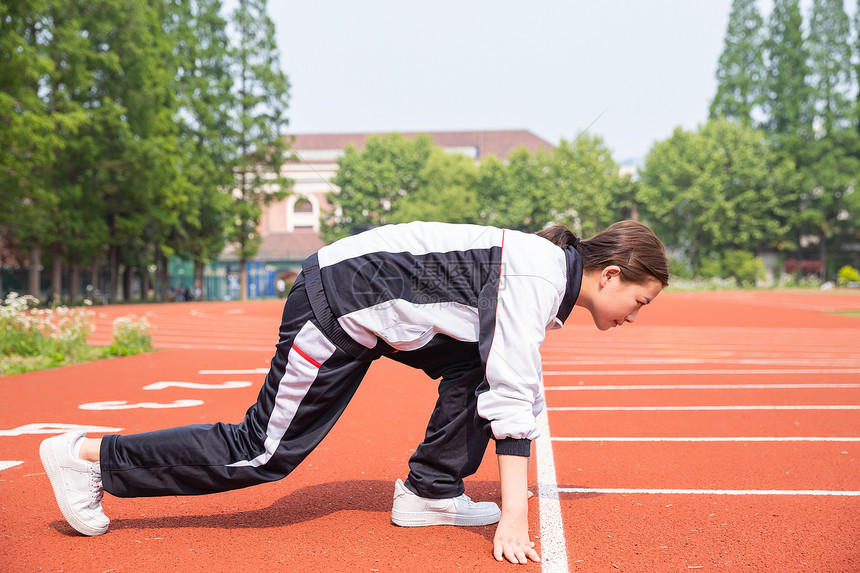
{"x":246,"y":371}
{"x":696,"y":408}
{"x":552,"y":540}
{"x":814,"y":492}
{"x":702,"y":387}
{"x":707,"y":439}
{"x":701,"y":372}
{"x":778,"y":360}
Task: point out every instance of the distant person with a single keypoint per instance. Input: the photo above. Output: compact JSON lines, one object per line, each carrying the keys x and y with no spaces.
{"x":466,"y":303}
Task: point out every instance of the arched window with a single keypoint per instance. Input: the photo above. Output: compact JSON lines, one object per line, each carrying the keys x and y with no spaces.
{"x":304,"y":213}
{"x":302,"y":205}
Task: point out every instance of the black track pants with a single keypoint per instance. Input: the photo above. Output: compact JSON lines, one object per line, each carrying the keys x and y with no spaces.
{"x":309,"y":384}
{"x":453,"y":446}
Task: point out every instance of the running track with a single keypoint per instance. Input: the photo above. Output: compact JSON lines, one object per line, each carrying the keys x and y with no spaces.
{"x":722,"y":431}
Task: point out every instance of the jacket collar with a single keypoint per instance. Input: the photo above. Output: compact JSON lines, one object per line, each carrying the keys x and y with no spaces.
{"x":574,"y":282}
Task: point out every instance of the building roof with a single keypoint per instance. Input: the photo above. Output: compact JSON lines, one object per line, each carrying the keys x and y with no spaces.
{"x":492,"y":142}
{"x":282,"y":246}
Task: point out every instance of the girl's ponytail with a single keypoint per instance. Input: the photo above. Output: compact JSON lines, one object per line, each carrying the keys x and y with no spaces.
{"x":559,"y":235}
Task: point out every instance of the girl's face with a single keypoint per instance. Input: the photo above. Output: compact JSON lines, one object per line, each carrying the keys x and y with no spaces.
{"x":616,"y":302}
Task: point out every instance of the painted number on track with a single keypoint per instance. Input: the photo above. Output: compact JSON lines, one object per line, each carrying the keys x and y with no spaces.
{"x":56,"y":429}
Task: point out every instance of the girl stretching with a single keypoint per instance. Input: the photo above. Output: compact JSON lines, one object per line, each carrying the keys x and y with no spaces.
{"x":467,"y":304}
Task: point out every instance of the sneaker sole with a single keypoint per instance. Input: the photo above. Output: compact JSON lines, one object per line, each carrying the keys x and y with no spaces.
{"x":52,"y":468}
{"x":430,"y":518}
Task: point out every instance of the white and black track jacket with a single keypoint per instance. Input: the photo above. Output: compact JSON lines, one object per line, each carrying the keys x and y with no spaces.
{"x":401,"y":285}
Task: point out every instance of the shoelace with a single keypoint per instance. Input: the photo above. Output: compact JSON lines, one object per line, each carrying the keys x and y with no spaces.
{"x":96,"y":490}
{"x":467,"y":499}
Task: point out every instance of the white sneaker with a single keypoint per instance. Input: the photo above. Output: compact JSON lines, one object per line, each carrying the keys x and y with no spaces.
{"x":411,"y":510}
{"x":77,"y":484}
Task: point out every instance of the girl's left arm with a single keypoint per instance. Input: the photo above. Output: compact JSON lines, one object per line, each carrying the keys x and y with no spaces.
{"x":512,"y":541}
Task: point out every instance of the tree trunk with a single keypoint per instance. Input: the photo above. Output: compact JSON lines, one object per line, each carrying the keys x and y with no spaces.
{"x":113,"y":295}
{"x":74,"y":282}
{"x":34,"y":275}
{"x":145,"y":286}
{"x":127,"y":282}
{"x":164,"y":275}
{"x":56,"y":281}
{"x":198,"y":281}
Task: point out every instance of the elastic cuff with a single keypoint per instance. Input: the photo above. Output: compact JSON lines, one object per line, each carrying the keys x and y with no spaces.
{"x":514,"y":447}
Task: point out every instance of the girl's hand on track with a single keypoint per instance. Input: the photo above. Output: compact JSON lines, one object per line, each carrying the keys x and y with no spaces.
{"x":512,"y":542}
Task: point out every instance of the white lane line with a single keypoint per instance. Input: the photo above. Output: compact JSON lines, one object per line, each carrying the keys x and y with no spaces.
{"x":160,"y":344}
{"x":228,"y":385}
{"x":6,"y":464}
{"x":704,"y":387}
{"x":710,"y":491}
{"x":708,"y":439}
{"x":552,"y":544}
{"x":246,"y":371}
{"x":778,"y":360}
{"x":701,"y":372}
{"x":695,"y":408}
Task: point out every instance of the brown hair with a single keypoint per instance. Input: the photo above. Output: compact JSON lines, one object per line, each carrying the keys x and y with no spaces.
{"x":629,"y":245}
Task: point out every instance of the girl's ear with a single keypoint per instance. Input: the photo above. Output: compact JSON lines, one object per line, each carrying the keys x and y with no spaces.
{"x":609,"y":273}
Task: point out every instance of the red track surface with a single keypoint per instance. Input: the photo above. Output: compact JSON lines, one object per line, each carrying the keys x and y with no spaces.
{"x":788,"y":351}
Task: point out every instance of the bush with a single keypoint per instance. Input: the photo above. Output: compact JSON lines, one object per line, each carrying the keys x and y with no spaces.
{"x":130,"y":336}
{"x":679,"y":269}
{"x":744,"y":266}
{"x":45,"y":332}
{"x":34,"y":338}
{"x":710,"y":268}
{"x":847,"y":274}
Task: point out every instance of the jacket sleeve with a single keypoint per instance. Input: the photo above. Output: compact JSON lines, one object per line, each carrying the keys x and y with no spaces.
{"x":512,"y":332}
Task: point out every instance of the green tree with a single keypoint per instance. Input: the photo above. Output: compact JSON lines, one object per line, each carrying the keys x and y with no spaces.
{"x":136,"y":170}
{"x":262,"y":92}
{"x":831,"y":72}
{"x":787,"y":99}
{"x":828,"y":162}
{"x":827,"y":208}
{"x":856,"y":46}
{"x":576,"y":184}
{"x":29,"y":132}
{"x":740,"y":68}
{"x":447,"y":191}
{"x":518,"y":194}
{"x":373,"y":181}
{"x":207,"y":138}
{"x":588,"y":194}
{"x":718,"y":189}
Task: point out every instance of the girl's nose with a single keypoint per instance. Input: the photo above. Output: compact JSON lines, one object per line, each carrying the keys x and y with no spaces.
{"x":632,"y":316}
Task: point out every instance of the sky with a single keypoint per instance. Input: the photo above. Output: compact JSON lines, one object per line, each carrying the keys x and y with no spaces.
{"x":629,"y":71}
